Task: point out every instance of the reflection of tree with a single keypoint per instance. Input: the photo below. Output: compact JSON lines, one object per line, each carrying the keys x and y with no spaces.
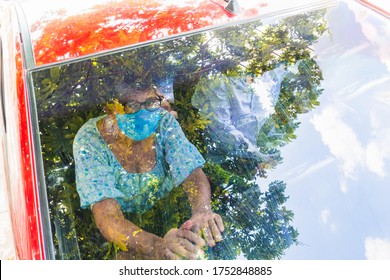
{"x":257,"y":222}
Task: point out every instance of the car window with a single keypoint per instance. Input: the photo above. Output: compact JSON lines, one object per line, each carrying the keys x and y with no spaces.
{"x":237,"y":96}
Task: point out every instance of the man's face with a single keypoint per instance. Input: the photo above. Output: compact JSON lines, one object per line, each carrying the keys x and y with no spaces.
{"x":149,"y":99}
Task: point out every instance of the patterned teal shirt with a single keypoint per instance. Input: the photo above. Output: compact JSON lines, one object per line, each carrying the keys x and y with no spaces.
{"x":99,"y":175}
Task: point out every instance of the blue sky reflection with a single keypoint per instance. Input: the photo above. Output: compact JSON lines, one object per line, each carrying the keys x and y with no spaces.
{"x":338,"y":169}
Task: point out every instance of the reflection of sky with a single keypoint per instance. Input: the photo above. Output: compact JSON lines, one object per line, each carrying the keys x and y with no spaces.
{"x":338,"y":169}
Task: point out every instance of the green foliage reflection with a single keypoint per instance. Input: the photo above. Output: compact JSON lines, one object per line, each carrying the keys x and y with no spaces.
{"x":258,"y":225}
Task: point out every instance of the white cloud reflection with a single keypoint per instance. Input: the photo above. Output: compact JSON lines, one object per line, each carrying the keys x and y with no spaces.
{"x":325,"y":218}
{"x":377,"y":248}
{"x":375,"y":29}
{"x":377,"y":151}
{"x":346,"y":145}
{"x":341,"y":140}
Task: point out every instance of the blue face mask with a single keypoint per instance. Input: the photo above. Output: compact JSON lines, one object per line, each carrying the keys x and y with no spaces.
{"x":140,"y":125}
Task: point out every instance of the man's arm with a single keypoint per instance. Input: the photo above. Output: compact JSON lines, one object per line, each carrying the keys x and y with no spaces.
{"x":205,"y":221}
{"x":176,"y":244}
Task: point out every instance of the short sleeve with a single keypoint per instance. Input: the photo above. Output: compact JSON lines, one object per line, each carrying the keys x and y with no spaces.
{"x":95,"y":180}
{"x":181,"y":155}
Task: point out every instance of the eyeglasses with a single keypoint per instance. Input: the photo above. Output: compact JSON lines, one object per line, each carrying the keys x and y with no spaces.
{"x":150,"y":104}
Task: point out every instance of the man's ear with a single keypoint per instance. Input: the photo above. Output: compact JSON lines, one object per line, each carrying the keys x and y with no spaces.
{"x":114,"y":107}
{"x":167,"y":106}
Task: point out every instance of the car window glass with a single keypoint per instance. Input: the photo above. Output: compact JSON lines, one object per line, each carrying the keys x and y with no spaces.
{"x":238,"y":94}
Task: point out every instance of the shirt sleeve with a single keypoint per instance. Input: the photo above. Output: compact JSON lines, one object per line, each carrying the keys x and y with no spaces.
{"x":95,"y":180}
{"x":181,"y":156}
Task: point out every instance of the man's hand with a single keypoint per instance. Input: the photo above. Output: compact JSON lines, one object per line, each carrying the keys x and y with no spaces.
{"x":180,"y":244}
{"x":209,"y":225}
